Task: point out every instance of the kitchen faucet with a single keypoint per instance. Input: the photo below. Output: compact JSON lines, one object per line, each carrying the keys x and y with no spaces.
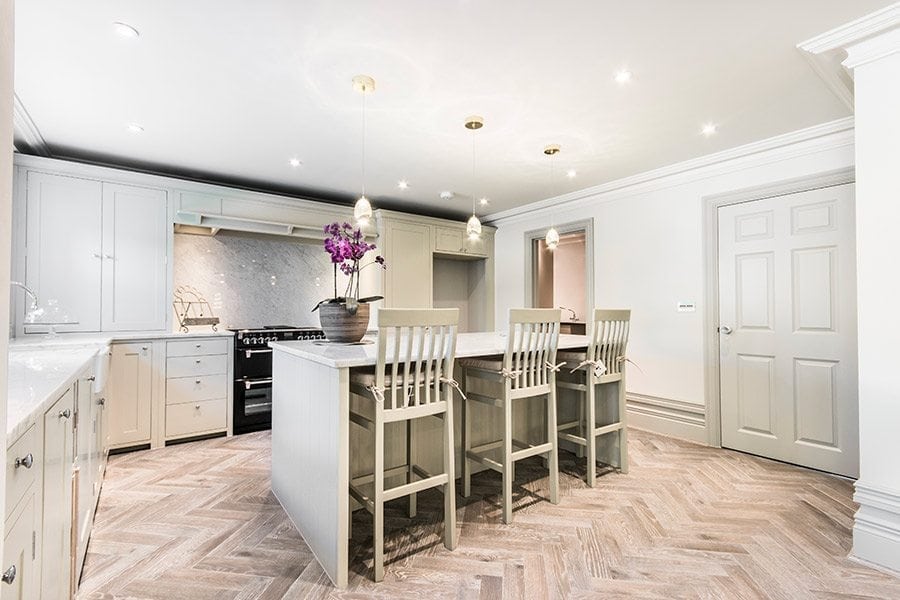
{"x":574,"y":317}
{"x":29,"y":291}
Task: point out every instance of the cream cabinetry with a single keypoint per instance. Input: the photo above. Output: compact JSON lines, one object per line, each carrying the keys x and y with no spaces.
{"x":455,"y":241}
{"x":56,"y":512}
{"x":19,"y":563}
{"x":197,"y":387}
{"x":98,"y":249}
{"x":407,"y":252}
{"x":131,"y":388}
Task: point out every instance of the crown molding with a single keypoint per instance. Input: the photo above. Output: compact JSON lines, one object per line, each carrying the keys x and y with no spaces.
{"x":811,"y":140}
{"x":26,"y":135}
{"x":872,"y":49}
{"x":854,"y":31}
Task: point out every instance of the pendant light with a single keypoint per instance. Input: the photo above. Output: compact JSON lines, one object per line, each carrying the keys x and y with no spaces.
{"x":473,"y":226}
{"x":362,"y":212}
{"x":552,"y":237}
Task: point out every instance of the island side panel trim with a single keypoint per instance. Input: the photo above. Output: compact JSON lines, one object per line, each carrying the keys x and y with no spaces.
{"x":310,"y":455}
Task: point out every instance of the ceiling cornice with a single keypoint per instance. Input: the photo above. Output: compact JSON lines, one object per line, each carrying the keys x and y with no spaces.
{"x":27,"y":137}
{"x":854,"y":31}
{"x":782,"y":147}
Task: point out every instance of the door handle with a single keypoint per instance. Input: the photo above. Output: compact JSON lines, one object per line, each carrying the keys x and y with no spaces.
{"x":725,"y":329}
{"x":249,"y":383}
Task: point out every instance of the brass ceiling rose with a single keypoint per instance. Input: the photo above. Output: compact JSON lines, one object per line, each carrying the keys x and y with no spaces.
{"x":474,"y":122}
{"x":363,"y":84}
{"x":551,"y":149}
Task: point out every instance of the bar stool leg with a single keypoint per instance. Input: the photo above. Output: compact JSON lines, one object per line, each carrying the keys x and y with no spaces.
{"x":410,"y":461}
{"x":450,"y":538}
{"x":466,"y":446}
{"x":623,"y":433}
{"x":378,"y":533}
{"x":553,"y":438}
{"x":590,"y":425}
{"x":508,"y":473}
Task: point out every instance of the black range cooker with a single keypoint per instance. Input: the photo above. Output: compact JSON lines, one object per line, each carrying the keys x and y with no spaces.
{"x":253,"y":372}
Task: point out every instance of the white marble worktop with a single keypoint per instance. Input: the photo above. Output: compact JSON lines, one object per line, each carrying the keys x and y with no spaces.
{"x":362,"y":355}
{"x":82,"y":339}
{"x":38,"y":377}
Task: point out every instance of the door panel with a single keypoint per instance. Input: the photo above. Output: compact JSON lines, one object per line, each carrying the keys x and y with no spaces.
{"x":63,"y":246}
{"x":131,"y":390}
{"x":56,"y":550}
{"x":787,"y":295}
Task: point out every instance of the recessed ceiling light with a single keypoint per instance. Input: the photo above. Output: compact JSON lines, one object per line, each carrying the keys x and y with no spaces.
{"x":295,"y":162}
{"x":709,"y":129}
{"x":623,"y":76}
{"x":447,"y":195}
{"x":125,"y":30}
{"x":571,"y":173}
{"x":134,"y":128}
{"x":484,"y":201}
{"x":403,"y":184}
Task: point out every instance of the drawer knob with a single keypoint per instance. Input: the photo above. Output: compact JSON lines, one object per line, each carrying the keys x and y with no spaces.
{"x":197,"y":381}
{"x":197,"y":361}
{"x":9,"y":575}
{"x":65,"y":414}
{"x":199,"y":346}
{"x":26,"y":461}
{"x":197,"y":406}
{"x":91,"y":378}
{"x":101,"y":401}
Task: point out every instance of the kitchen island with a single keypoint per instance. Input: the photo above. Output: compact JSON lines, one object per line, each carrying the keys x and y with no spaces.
{"x":312,"y":461}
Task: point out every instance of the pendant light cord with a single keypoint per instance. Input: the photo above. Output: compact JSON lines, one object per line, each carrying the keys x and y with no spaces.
{"x":473,"y":172}
{"x":552,"y":189}
{"x":364,"y":92}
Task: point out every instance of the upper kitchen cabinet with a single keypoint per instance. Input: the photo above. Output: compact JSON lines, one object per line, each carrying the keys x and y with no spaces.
{"x":99,"y":250}
{"x":135,"y":226}
{"x":407,"y":253}
{"x":63,"y":239}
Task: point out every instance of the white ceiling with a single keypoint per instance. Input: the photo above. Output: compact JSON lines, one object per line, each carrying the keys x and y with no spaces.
{"x":229,"y":90}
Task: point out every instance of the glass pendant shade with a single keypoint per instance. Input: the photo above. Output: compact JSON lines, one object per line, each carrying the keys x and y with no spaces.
{"x":552,"y":238}
{"x":473,"y":227}
{"x":362,"y":212}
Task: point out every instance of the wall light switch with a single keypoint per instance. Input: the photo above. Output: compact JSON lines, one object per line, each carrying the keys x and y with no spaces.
{"x":686,"y":307}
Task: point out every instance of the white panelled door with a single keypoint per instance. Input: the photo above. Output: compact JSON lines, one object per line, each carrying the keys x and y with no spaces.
{"x":787,"y":331}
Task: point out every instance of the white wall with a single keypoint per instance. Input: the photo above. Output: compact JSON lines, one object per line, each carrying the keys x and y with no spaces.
{"x":568,"y":277}
{"x":648,"y":248}
{"x":876,"y":534}
{"x":6,"y":169}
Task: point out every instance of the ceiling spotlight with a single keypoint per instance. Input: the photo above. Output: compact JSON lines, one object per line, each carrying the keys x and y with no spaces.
{"x":134,"y":128}
{"x":709,"y":129}
{"x":623,"y":76}
{"x":448,"y":195}
{"x":125,"y":30}
{"x":295,"y":162}
{"x":571,"y":173}
{"x":403,"y":184}
{"x":484,"y":201}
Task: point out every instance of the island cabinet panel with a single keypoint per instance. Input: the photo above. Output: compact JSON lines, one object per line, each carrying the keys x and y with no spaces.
{"x":56,"y":528}
{"x":131,"y":394}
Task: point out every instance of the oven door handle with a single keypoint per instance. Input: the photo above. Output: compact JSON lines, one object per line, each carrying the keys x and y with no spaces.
{"x":249,"y":383}
{"x":250,"y":353}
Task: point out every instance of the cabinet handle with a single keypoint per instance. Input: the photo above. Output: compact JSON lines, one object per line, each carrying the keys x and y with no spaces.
{"x":91,"y":378}
{"x":65,"y":414}
{"x":101,"y":401}
{"x":197,"y":406}
{"x":97,"y":255}
{"x":197,"y":381}
{"x":144,"y":348}
{"x":26,"y":461}
{"x":197,"y":361}
{"x":109,"y":256}
{"x":199,"y":346}
{"x":9,"y":575}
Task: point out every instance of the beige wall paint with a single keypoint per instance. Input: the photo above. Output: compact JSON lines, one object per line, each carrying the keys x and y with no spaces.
{"x":568,"y":276}
{"x":6,"y":170}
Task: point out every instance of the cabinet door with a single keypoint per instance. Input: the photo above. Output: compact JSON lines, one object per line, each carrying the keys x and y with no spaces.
{"x":135,"y":240}
{"x":56,"y":531}
{"x":476,"y":246}
{"x":408,"y":275}
{"x":84,"y":463}
{"x":448,"y":239}
{"x":63,"y":246}
{"x":18,"y":553}
{"x":130,"y":393}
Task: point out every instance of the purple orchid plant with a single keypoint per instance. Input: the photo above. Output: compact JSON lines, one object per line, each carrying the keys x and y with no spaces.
{"x":347,"y":247}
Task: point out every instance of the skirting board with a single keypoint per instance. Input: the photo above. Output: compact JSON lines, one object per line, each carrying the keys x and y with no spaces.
{"x":876,"y":528}
{"x":675,"y":418}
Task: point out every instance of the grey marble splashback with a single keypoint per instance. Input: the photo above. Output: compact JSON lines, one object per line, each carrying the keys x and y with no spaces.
{"x":254,"y":280}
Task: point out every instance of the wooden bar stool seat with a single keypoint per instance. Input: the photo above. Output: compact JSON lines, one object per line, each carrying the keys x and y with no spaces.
{"x":526,"y":370}
{"x":413,"y":379}
{"x":602,"y":363}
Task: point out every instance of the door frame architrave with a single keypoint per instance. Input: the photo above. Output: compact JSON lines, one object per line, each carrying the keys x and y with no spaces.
{"x":585,"y":225}
{"x":711,"y":205}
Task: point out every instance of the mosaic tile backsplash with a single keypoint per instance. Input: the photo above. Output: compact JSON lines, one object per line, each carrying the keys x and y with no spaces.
{"x":254,"y":280}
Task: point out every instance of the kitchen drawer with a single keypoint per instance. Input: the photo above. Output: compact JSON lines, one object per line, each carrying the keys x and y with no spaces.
{"x":191,"y":366}
{"x":180,"y":390}
{"x":18,"y":479}
{"x":197,"y":347}
{"x":196,"y":417}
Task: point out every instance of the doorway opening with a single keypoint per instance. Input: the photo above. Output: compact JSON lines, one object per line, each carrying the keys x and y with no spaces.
{"x":563,"y":277}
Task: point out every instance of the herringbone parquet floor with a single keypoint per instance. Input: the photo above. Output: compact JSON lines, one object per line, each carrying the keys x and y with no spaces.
{"x":198,"y":522}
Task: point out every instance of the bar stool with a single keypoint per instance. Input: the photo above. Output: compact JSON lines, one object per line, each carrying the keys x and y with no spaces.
{"x":602,"y":363}
{"x":527,"y":370}
{"x":412,"y":380}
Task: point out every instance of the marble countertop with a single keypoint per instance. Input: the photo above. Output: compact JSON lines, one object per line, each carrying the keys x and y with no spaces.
{"x":82,"y":339}
{"x":38,"y":377}
{"x":362,"y":355}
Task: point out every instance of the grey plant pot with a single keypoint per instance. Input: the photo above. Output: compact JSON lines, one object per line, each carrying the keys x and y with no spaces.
{"x":340,"y":325}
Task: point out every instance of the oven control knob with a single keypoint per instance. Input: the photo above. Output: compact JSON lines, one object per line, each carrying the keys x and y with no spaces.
{"x":271,"y":339}
{"x":254,"y":340}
